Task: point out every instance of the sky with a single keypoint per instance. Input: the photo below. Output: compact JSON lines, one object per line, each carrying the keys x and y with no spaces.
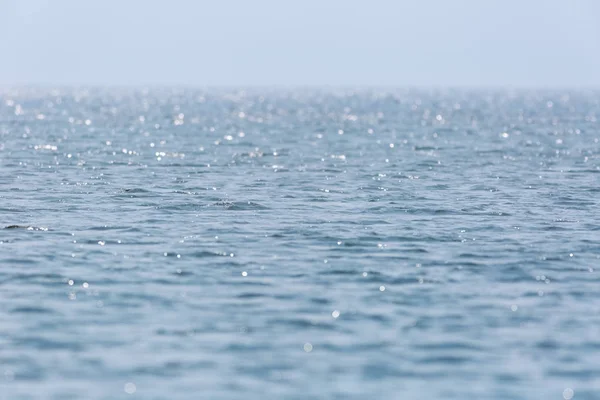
{"x":431,"y":43}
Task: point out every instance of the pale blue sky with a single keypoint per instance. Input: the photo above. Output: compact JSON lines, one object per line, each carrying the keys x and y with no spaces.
{"x":314,"y":42}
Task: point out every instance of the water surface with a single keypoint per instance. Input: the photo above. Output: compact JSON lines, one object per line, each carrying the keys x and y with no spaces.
{"x":299,"y":244}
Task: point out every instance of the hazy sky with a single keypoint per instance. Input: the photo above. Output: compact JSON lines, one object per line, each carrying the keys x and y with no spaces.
{"x":297,"y":42}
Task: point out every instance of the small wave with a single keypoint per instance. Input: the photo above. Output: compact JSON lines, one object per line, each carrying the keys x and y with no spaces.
{"x":32,"y":310}
{"x":27,"y":227}
{"x":133,"y":193}
{"x":135,"y":190}
{"x":240,"y":205}
{"x":204,"y":254}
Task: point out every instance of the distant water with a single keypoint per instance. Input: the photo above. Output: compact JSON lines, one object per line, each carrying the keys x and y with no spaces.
{"x":299,"y":244}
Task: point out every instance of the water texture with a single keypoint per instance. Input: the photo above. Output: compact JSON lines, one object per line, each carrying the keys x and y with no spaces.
{"x":299,"y":244}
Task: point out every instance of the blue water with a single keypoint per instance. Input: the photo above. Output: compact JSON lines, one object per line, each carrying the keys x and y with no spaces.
{"x":299,"y":244}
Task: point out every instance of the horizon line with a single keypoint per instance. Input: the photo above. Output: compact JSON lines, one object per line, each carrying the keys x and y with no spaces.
{"x":295,"y":86}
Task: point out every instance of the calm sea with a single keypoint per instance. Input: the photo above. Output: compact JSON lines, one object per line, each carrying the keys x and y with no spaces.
{"x":299,"y":244}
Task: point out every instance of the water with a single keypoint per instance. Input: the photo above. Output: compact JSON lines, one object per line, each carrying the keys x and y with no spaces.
{"x":299,"y":244}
